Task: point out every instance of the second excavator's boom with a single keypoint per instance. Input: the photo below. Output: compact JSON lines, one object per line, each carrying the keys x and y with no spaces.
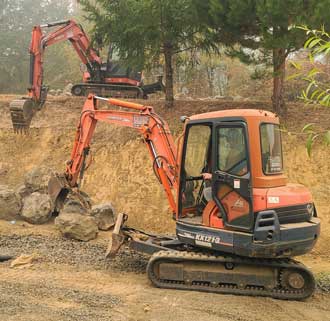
{"x":22,"y":110}
{"x":68,"y":30}
{"x":154,"y":130}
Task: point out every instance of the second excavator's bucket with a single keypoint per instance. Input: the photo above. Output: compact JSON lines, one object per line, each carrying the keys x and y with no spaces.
{"x":21,"y":112}
{"x":58,"y":190}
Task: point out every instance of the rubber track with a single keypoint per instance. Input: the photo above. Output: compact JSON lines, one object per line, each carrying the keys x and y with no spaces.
{"x":277,"y":293}
{"x":99,"y":88}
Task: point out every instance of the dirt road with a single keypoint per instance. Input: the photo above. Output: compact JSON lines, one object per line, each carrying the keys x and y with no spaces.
{"x":72,"y":281}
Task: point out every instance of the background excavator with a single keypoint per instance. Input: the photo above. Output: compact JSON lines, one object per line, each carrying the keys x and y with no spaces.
{"x":109,"y":79}
{"x":237,"y":231}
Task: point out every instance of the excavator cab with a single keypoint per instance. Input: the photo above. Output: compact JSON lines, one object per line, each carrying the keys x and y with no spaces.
{"x":252,"y":210}
{"x":231,"y":160}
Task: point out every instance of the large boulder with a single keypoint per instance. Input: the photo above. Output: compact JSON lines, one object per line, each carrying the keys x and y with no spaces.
{"x":10,"y":204}
{"x":77,"y":226}
{"x":77,"y":203}
{"x":37,"y":208}
{"x":74,"y":206}
{"x":37,"y":179}
{"x":105,"y":216}
{"x":23,"y":191}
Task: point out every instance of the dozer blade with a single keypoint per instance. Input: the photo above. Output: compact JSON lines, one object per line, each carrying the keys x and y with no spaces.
{"x":117,"y":239}
{"x":21,"y":112}
{"x":58,"y":190}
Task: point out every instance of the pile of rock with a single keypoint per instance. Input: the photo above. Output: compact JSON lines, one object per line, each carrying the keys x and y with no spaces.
{"x":78,"y":219}
{"x":58,"y":92}
{"x":80,"y":222}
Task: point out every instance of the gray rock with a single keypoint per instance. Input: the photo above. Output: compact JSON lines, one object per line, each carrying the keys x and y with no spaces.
{"x":105,"y":216}
{"x":36,"y":208}
{"x":23,"y":191}
{"x":37,"y":179}
{"x":67,"y":88}
{"x":10,"y":204}
{"x":74,"y":206}
{"x":77,"y":203}
{"x":77,"y":226}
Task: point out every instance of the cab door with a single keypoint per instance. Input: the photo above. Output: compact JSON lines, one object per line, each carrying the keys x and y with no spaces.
{"x":231,"y":179}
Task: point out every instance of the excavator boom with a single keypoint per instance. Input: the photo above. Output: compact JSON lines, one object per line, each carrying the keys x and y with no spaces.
{"x":22,"y":110}
{"x":153,"y":128}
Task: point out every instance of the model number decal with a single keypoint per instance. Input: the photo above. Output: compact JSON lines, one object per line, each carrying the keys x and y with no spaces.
{"x":207,"y":239}
{"x":273,"y":200}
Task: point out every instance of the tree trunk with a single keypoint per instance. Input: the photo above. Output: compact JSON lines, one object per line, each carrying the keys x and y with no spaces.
{"x":169,"y":96}
{"x":279,"y":106}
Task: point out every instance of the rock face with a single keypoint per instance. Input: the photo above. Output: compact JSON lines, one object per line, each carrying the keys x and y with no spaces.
{"x":37,"y":179}
{"x":104,"y":215}
{"x":10,"y":204}
{"x":37,"y":208}
{"x":77,"y":226}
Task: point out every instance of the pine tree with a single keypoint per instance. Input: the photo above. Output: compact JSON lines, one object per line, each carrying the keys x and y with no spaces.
{"x":268,"y":25}
{"x":146,"y":31}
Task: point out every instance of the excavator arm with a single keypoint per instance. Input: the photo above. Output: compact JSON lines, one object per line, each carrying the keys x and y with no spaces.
{"x":154,"y":130}
{"x":22,"y":110}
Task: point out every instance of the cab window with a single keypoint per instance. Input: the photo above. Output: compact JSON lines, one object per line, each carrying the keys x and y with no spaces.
{"x":232,"y":152}
{"x":197,"y":149}
{"x":271,"y":149}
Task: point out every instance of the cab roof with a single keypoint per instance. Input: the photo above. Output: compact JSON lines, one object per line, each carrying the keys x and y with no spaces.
{"x":246,"y":113}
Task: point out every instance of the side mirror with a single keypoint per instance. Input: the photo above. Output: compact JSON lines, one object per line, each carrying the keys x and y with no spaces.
{"x":184,"y":118}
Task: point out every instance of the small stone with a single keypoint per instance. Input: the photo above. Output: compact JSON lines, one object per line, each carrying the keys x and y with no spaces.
{"x":77,"y":226}
{"x":10,"y":204}
{"x":25,"y":260}
{"x":146,"y":308}
{"x":105,"y":216}
{"x":37,"y":208}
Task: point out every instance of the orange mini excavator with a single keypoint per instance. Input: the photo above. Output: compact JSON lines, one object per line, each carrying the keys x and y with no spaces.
{"x":110,"y":79}
{"x":238,"y":221}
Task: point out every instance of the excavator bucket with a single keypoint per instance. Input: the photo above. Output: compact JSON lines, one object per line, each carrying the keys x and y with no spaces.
{"x":58,"y":190}
{"x":117,"y":239}
{"x":21,"y":112}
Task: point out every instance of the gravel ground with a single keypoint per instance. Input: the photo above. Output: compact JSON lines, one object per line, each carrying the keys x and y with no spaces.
{"x":46,"y":299}
{"x":79,"y":254}
{"x":83,"y":305}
